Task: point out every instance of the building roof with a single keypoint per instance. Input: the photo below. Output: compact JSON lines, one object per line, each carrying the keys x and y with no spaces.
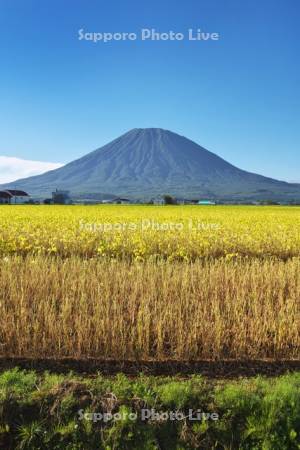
{"x":206,"y":202}
{"x":16,"y":193}
{"x":5,"y":194}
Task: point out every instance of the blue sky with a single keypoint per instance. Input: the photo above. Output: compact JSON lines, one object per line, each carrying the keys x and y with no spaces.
{"x":239,"y":97}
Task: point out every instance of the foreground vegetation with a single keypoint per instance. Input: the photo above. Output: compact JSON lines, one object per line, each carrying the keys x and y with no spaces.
{"x":149,"y":284}
{"x":49,"y":411}
{"x":181,"y":233}
{"x":218,"y":309}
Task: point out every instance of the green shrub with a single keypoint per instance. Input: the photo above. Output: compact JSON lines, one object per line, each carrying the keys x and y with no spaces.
{"x":17,"y":382}
{"x":278,"y":425}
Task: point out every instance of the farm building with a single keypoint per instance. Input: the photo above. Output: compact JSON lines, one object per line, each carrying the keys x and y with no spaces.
{"x":60,"y":197}
{"x":13,"y":196}
{"x":4,"y":198}
{"x":122,"y":201}
{"x":159,"y":200}
{"x":118,"y":200}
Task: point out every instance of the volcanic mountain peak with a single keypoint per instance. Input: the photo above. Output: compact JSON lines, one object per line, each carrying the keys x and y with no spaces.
{"x":145,"y":162}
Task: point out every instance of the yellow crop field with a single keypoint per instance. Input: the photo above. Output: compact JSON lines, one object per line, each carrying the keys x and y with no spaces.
{"x":150,"y":282}
{"x":142,"y":232}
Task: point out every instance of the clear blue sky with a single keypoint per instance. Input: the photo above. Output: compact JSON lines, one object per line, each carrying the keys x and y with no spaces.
{"x":239,"y":97}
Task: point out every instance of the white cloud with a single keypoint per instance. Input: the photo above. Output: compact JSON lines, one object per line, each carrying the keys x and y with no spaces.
{"x":12,"y":169}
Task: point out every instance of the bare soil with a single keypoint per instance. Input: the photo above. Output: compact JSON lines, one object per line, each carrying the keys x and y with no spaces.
{"x":212,"y":369}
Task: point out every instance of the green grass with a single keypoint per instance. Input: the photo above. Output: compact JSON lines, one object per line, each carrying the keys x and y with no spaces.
{"x":41,"y":411}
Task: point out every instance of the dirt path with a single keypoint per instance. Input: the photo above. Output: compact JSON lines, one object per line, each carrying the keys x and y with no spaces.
{"x":211,"y":369}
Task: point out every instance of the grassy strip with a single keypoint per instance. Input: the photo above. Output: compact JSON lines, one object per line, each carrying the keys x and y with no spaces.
{"x":44,"y":411}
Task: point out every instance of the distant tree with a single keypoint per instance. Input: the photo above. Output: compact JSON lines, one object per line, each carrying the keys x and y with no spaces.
{"x":269,"y":202}
{"x":169,"y":200}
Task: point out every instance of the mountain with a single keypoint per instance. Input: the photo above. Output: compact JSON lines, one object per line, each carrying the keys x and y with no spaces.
{"x":144,"y":163}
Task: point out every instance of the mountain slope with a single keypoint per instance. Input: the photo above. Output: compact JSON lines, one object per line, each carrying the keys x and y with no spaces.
{"x":146,"y":162}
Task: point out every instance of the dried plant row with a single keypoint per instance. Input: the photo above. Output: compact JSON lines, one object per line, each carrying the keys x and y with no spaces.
{"x":53,"y":307}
